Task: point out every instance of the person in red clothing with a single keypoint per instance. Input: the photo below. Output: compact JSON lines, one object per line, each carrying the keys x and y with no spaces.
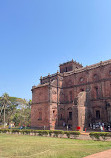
{"x":78,"y":128}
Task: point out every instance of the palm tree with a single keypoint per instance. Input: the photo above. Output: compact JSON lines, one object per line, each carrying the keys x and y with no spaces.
{"x":4,"y":102}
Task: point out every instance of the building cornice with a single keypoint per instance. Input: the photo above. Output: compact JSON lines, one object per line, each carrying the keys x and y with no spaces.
{"x":87,"y":68}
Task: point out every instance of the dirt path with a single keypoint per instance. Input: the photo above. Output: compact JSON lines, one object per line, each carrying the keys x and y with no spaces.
{"x":103,"y":154}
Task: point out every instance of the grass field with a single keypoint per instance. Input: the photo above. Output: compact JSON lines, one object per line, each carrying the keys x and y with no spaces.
{"x":24,"y":146}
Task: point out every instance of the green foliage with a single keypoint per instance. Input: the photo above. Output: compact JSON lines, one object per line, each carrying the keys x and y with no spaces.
{"x":45,"y":132}
{"x":50,"y":132}
{"x":57,"y":132}
{"x":4,"y":130}
{"x":41,"y":132}
{"x":15,"y":130}
{"x":67,"y":134}
{"x":16,"y":109}
{"x":104,"y":135}
{"x":98,"y":135}
{"x":25,"y":131}
{"x":74,"y":133}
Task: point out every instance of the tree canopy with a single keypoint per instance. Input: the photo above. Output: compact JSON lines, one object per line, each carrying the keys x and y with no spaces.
{"x":15,"y":109}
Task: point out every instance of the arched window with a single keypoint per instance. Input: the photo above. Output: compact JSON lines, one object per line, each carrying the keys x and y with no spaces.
{"x":95,"y":77}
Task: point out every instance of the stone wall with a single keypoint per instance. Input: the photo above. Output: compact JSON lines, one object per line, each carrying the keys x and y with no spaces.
{"x":76,"y":98}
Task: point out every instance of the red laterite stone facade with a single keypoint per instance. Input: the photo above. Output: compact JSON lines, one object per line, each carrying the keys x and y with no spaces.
{"x":76,"y":96}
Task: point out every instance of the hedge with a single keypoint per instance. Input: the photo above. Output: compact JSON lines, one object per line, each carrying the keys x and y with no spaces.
{"x":55,"y":133}
{"x":69,"y":133}
{"x":98,"y":135}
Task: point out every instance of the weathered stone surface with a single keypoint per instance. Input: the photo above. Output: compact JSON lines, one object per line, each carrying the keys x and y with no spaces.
{"x":76,"y":96}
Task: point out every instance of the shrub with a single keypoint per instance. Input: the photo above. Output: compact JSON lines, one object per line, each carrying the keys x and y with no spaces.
{"x":50,"y":132}
{"x":61,"y":133}
{"x":34,"y":131}
{"x":97,"y":135}
{"x":40,"y":132}
{"x":4,"y":130}
{"x":57,"y":132}
{"x":15,"y":130}
{"x":74,"y":133}
{"x":105,"y":135}
{"x":25,"y":131}
{"x":67,"y":133}
{"x":45,"y":132}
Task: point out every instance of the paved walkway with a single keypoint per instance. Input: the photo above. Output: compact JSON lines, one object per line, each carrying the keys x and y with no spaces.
{"x":103,"y":154}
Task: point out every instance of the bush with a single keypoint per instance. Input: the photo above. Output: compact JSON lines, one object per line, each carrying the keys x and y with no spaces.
{"x":43,"y":132}
{"x":67,"y":133}
{"x":4,"y":130}
{"x":50,"y":132}
{"x":57,"y":132}
{"x":74,"y":133}
{"x":77,"y":133}
{"x":25,"y":131}
{"x":15,"y":130}
{"x":97,"y":135}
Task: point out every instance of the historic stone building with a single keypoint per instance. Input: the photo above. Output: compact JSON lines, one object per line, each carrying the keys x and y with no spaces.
{"x":75,"y":96}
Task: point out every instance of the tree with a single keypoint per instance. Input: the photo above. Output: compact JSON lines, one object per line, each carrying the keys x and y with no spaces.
{"x":15,"y":109}
{"x":4,"y":103}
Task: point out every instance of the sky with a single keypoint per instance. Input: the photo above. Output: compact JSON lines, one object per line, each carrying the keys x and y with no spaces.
{"x":38,"y":35}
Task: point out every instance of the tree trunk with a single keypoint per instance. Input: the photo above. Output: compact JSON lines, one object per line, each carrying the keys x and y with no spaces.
{"x":4,"y":117}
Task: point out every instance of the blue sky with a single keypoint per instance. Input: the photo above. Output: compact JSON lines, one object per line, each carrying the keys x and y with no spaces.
{"x":37,"y":35}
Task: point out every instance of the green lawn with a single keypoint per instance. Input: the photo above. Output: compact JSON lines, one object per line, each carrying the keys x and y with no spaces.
{"x":24,"y":146}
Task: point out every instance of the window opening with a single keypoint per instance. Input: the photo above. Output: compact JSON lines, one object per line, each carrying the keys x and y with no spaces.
{"x":53,"y":113}
{"x":70,"y":93}
{"x":61,"y":117}
{"x":70,"y":115}
{"x":40,"y":116}
{"x":98,"y":114}
{"x":96,"y":92}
